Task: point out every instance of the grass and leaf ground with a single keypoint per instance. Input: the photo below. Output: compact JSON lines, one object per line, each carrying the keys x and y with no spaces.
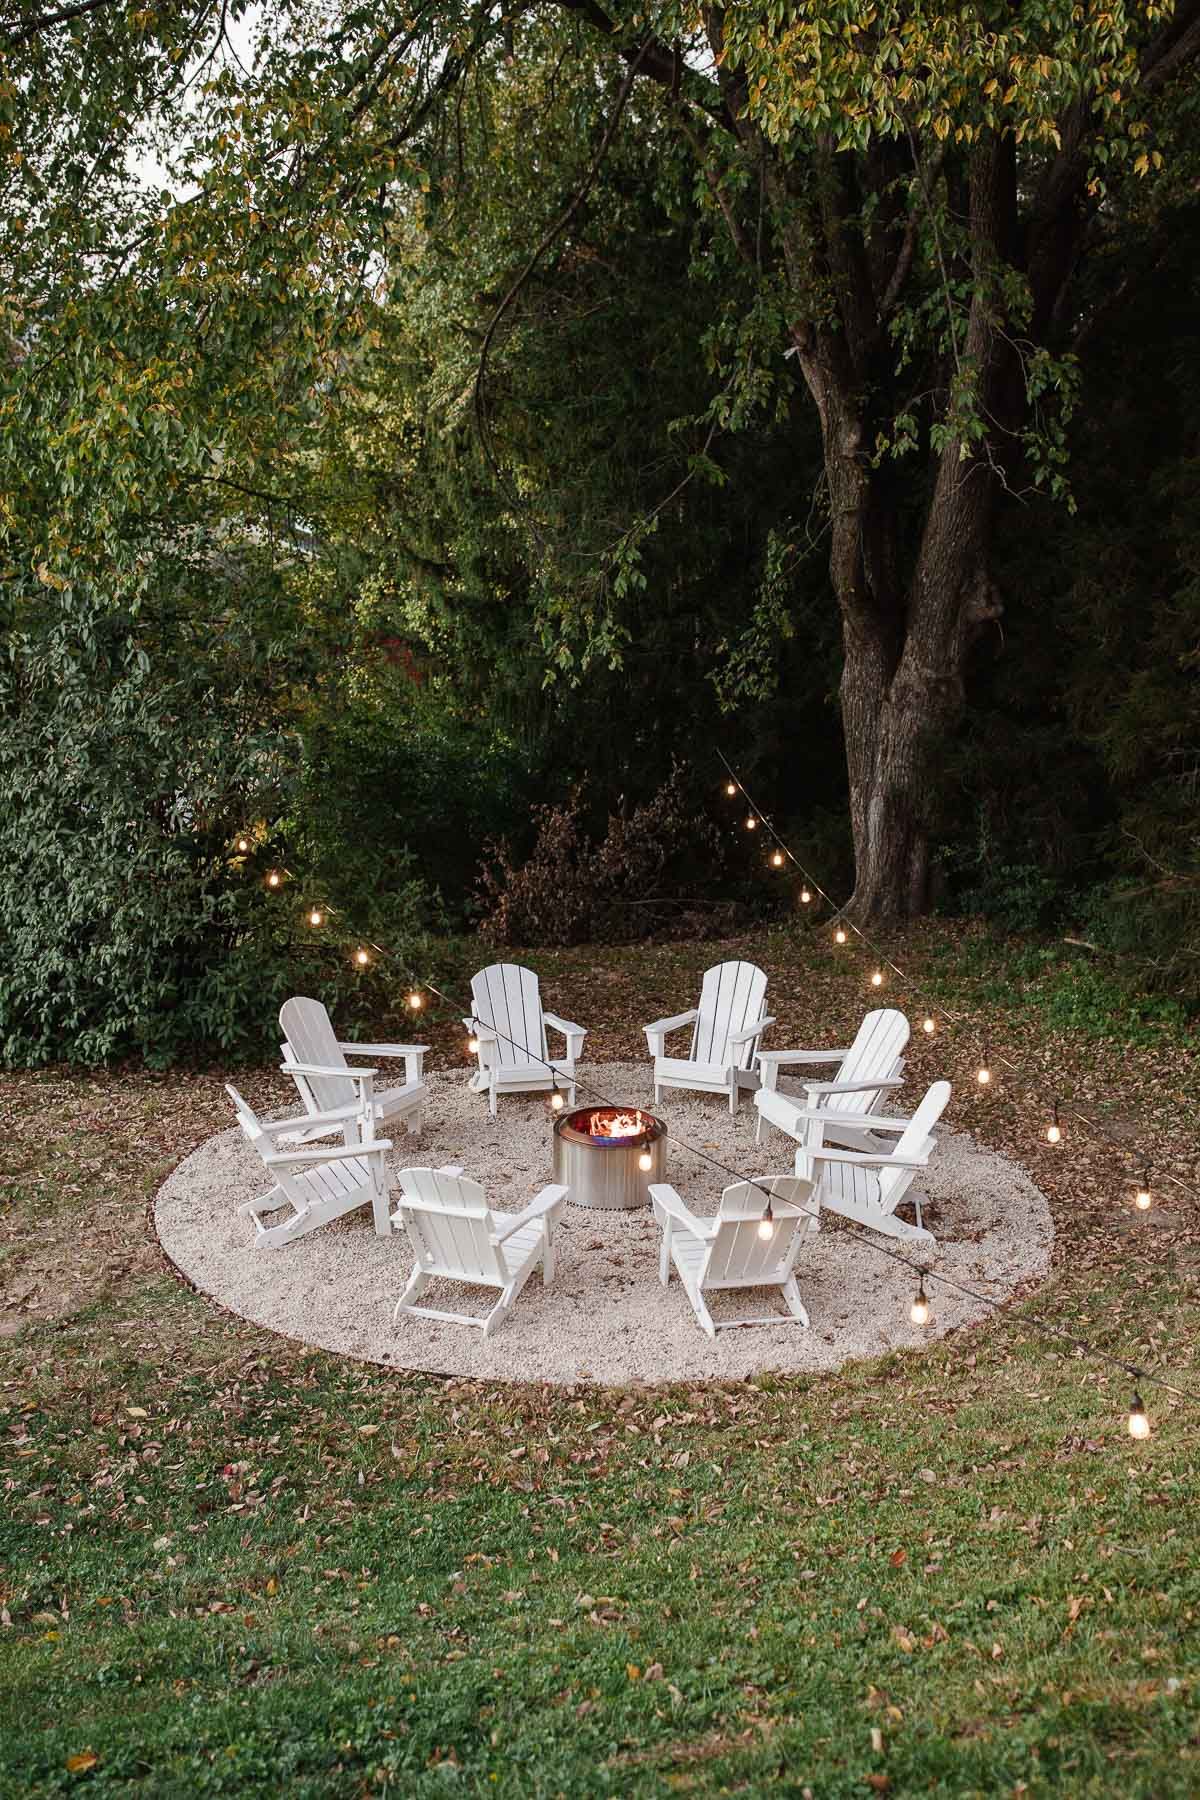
{"x":232,"y":1565}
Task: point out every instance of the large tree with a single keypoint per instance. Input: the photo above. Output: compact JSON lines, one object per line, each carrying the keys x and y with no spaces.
{"x":908,"y":192}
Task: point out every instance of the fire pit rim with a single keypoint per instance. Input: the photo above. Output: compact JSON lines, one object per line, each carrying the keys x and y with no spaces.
{"x":635,"y":1140}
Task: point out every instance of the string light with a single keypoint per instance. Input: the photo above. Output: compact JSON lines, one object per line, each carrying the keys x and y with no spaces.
{"x":839,"y":936}
{"x":877,"y":978}
{"x":731,"y":788}
{"x":556,"y":1099}
{"x":472,"y":1046}
{"x":1054,"y":1129}
{"x":751,"y":822}
{"x":243,"y":845}
{"x":766,"y":1225}
{"x":415,"y":1001}
{"x":929,"y":1025}
{"x":805,"y":896}
{"x":983,"y":1073}
{"x":1139,"y":1424}
{"x":919,"y":1311}
{"x":777,"y":859}
{"x":645,"y":1162}
{"x":274,"y":878}
{"x":1143,"y":1196}
{"x":315,"y":916}
{"x":361,"y":958}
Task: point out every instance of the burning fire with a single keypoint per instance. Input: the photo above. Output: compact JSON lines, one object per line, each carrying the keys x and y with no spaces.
{"x":607,"y":1124}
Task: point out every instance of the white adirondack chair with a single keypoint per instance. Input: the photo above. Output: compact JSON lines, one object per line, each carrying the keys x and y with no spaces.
{"x":869,"y":1185}
{"x":727,"y":1251}
{"x":726,"y":1027}
{"x":316,"y":1061}
{"x":454,"y":1234}
{"x":873,"y":1065}
{"x":509,"y":1025}
{"x":315,"y":1185}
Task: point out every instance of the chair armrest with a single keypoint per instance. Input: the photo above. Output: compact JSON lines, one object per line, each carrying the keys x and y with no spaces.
{"x":325,"y":1156}
{"x":803,"y":1056}
{"x":866,"y":1159}
{"x":752,"y":1031}
{"x":298,"y":1068}
{"x":657,"y":1032}
{"x":854,"y":1087}
{"x":665,"y":1197}
{"x":547,"y":1200}
{"x":336,"y":1115}
{"x":864,"y":1121}
{"x":449,"y":1169}
{"x":384,"y":1049}
{"x":574,"y":1034}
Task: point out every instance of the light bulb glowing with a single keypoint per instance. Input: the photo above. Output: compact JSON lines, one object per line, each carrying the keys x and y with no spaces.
{"x":839,"y":936}
{"x":1053,"y":1134}
{"x":929,"y":1025}
{"x":645,"y":1162}
{"x":415,"y":1001}
{"x":777,"y":859}
{"x":472,"y":1046}
{"x":766,"y":1228}
{"x":805,"y":896}
{"x":243,"y":845}
{"x":877,"y":978}
{"x":274,"y":878}
{"x":731,"y":788}
{"x":1142,"y":1199}
{"x":556,"y":1101}
{"x":751,"y":822}
{"x":361,"y":958}
{"x":315,"y":916}
{"x":1139,"y":1424}
{"x":983,"y":1075}
{"x":918,"y":1312}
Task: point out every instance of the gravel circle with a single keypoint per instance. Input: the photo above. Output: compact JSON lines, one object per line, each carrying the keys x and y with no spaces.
{"x":605,"y":1318}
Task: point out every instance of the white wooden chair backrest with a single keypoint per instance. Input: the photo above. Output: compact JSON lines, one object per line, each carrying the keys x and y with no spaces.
{"x":450,"y":1226}
{"x":731,"y":999}
{"x":876,"y":1050}
{"x":507,"y":998}
{"x":249,"y":1121}
{"x":311,"y":1039}
{"x":914,"y":1140}
{"x":737,"y":1252}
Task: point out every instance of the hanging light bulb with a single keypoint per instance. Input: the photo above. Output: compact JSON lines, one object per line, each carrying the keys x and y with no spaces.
{"x":645,"y":1162}
{"x":1143,"y":1197}
{"x":766,"y":1225}
{"x":361,"y":958}
{"x":243,"y":845}
{"x":983,"y":1073}
{"x":274,"y":878}
{"x":751,"y":822}
{"x":731,"y":788}
{"x":929,"y":1025}
{"x":777,"y":859}
{"x":839,"y":936}
{"x":877,"y":978}
{"x":556,"y":1099}
{"x":1053,"y":1129}
{"x":805,"y":896}
{"x":918,"y":1312}
{"x":315,"y":916}
{"x":472,"y":1046}
{"x":415,"y":1001}
{"x":1139,"y":1424}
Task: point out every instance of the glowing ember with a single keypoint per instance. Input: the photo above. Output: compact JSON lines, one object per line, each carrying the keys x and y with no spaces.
{"x":607,"y":1124}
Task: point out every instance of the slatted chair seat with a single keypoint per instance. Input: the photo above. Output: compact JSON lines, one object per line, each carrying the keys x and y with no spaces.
{"x":315,"y":1058}
{"x":729,"y":1251}
{"x":313,"y":1185}
{"x":726,"y":1027}
{"x":455,"y":1235}
{"x":509,"y":1025}
{"x":872,"y":1066}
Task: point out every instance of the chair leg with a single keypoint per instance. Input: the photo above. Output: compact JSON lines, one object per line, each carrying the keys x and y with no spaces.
{"x":492,"y":1099}
{"x":758,"y":1129}
{"x":702,"y":1312}
{"x":664,"y":1256}
{"x":418,"y":1281}
{"x":548,"y":1258}
{"x":792,"y":1300}
{"x":734,"y":1096}
{"x":498,"y":1311}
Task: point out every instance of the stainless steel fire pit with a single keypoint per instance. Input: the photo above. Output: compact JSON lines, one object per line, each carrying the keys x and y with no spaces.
{"x":599,"y":1152}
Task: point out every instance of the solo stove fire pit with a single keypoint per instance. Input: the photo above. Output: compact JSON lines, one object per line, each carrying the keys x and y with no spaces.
{"x":608,"y":1155}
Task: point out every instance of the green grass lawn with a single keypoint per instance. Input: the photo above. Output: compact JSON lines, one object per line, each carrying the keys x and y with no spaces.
{"x":231,"y":1565}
